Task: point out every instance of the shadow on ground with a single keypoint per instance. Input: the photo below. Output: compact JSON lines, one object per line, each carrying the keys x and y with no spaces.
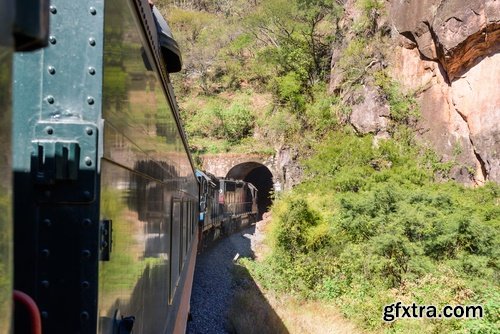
{"x":225,"y":298}
{"x":250,"y":311}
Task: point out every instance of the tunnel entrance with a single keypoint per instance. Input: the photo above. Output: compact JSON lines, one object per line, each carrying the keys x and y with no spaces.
{"x":260,"y":176}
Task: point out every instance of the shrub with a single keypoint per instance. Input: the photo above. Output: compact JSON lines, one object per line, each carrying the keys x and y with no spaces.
{"x":237,"y":122}
{"x":386,"y":232}
{"x":291,"y":235}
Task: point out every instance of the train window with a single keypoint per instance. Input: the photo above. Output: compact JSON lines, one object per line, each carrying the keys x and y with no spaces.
{"x":230,"y":186}
{"x":188,"y":222}
{"x":193,"y":221}
{"x":188,"y":225}
{"x":191,"y":218}
{"x":185,"y":215}
{"x":175,"y":247}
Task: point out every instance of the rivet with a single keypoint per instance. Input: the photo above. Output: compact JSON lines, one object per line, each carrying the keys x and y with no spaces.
{"x":92,"y":10}
{"x":89,"y":131}
{"x":91,"y":41}
{"x":91,"y":70}
{"x":52,"y":40}
{"x":90,"y":100}
{"x":87,"y":194}
{"x":86,"y":253}
{"x":88,"y":161}
{"x":45,"y":284}
{"x":51,"y":70}
{"x":49,"y":130}
{"x":85,"y":284}
{"x":87,"y":222}
{"x":44,"y":314}
{"x":84,"y":316}
{"x":53,"y":9}
{"x":47,"y":223}
{"x":50,"y":99}
{"x":45,"y":253}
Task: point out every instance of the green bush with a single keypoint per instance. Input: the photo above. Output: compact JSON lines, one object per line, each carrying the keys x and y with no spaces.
{"x":320,"y":113}
{"x":370,"y":227}
{"x":291,"y":236}
{"x":237,"y":122}
{"x":222,"y":120}
{"x":289,"y":90}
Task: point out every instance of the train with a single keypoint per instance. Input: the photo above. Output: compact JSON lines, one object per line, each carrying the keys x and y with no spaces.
{"x":226,"y":205}
{"x":105,"y":196}
{"x":104,"y":212}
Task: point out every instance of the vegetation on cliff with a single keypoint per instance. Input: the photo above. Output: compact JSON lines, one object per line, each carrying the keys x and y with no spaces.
{"x":370,"y":227}
{"x":370,"y":224}
{"x":255,"y":74}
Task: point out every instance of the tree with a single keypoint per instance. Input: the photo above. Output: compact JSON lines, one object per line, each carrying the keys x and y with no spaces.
{"x":297,"y":34}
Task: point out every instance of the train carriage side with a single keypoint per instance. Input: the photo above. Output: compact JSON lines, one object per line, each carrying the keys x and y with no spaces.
{"x":110,"y":199}
{"x":148,"y":176}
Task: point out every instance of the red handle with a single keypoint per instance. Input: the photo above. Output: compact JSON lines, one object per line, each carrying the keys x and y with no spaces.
{"x":34,"y":314}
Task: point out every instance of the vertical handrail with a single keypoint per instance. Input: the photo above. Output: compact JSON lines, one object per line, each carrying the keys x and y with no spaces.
{"x":34,"y":313}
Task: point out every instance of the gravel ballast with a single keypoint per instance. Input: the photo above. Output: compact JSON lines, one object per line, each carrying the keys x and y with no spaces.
{"x":213,"y":284}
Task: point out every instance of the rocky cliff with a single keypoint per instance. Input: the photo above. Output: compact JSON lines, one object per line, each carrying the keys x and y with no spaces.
{"x":447,"y":51}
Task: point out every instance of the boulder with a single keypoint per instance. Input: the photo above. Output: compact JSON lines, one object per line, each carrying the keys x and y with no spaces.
{"x":371,"y":114}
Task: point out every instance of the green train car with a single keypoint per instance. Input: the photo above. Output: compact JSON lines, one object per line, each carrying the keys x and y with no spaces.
{"x":105,"y":194}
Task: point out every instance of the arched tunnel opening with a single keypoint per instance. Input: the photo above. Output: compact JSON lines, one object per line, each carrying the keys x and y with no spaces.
{"x":261,"y":177}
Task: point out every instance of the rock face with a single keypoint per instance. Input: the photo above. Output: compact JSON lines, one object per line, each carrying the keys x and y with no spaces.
{"x":290,"y":172}
{"x":450,"y":54}
{"x":454,"y":32}
{"x":371,"y":115}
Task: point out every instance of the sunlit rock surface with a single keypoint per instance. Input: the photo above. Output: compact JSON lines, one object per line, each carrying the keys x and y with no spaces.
{"x":451,"y":58}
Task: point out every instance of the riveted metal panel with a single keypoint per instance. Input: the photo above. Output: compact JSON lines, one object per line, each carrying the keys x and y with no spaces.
{"x":71,"y":86}
{"x":57,"y":131}
{"x":63,"y":82}
{"x":63,"y":162}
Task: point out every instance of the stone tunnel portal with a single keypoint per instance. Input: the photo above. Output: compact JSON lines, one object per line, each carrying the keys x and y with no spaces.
{"x":260,"y":176}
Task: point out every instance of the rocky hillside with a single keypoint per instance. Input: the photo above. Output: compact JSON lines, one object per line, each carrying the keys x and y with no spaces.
{"x":274,"y":77}
{"x":365,"y":109}
{"x":447,"y":53}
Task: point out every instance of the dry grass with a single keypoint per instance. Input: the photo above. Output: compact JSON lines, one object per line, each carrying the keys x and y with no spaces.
{"x":255,"y":310}
{"x":310,"y":316}
{"x":250,"y":313}
{"x":260,"y":241}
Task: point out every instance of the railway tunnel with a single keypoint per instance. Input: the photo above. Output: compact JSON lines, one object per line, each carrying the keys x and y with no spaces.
{"x":260,"y":176}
